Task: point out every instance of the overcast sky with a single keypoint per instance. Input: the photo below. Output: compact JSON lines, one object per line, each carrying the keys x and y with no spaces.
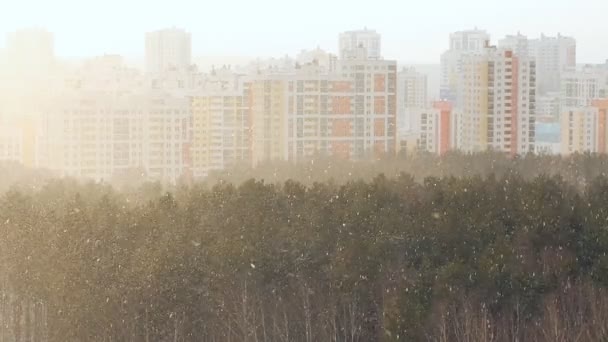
{"x":412,"y":31}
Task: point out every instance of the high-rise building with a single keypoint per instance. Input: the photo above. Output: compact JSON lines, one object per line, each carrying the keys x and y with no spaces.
{"x":462,"y":43}
{"x":30,"y":52}
{"x":168,"y":49}
{"x":374,"y":106}
{"x":411,"y":94}
{"x":342,"y":115}
{"x":548,"y":106}
{"x":585,"y":129}
{"x":553,"y":56}
{"x":103,"y":136}
{"x":518,"y":43}
{"x":579,"y":130}
{"x":436,"y":129}
{"x":326,"y":61}
{"x":497,"y":102}
{"x":370,"y":40}
{"x":11,"y":144}
{"x":268,"y":100}
{"x":320,"y":115}
{"x":221,"y":131}
{"x":580,"y":86}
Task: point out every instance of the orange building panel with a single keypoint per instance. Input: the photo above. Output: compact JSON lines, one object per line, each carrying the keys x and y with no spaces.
{"x":379,"y":105}
{"x":341,"y":105}
{"x":341,"y":86}
{"x":341,"y":128}
{"x":379,"y":127}
{"x":379,"y":83}
{"x":515,"y":106}
{"x":602,"y":106}
{"x":379,"y":148}
{"x":340,"y":149}
{"x":445,"y":125}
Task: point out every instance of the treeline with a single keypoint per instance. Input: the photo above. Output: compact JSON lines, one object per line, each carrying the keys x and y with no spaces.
{"x":479,"y":257}
{"x":576,"y":169}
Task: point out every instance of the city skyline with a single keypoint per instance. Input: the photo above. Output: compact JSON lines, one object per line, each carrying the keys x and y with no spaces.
{"x":408,"y":36}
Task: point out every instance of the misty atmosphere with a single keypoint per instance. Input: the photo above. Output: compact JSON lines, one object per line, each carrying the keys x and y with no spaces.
{"x":323,"y":171}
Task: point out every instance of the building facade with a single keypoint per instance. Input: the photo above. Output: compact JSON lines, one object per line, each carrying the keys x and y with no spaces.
{"x":462,"y":43}
{"x":221,"y":131}
{"x":436,"y":128}
{"x":168,"y":49}
{"x":104,"y":136}
{"x":553,"y":56}
{"x":580,"y":86}
{"x":497,"y":103}
{"x":350,"y":41}
{"x":412,"y":94}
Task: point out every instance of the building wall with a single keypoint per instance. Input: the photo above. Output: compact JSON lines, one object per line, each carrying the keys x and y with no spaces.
{"x":579,"y":130}
{"x":268,"y":100}
{"x":370,"y":40}
{"x":497,"y":103}
{"x":411,"y":94}
{"x":104,"y":136}
{"x":221,"y":132}
{"x":553,"y":56}
{"x":167,"y":49}
{"x":579,"y":87}
{"x":374,"y":107}
{"x":462,"y":43}
{"x":11,"y":144}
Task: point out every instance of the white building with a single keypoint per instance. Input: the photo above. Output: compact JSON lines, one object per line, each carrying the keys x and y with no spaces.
{"x":221,"y":131}
{"x":579,"y":86}
{"x":497,"y":97}
{"x":579,"y":130}
{"x":103,"y":74}
{"x":168,"y":49}
{"x":461,"y":43}
{"x":518,"y":43}
{"x":374,"y":105}
{"x":553,"y":56}
{"x":101,"y":136}
{"x":30,"y":52}
{"x":548,"y":105}
{"x":411,"y":94}
{"x":368,"y":39}
{"x":325,"y":60}
{"x":11,"y":144}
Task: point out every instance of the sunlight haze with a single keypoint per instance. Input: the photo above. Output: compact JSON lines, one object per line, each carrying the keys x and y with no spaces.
{"x":413,"y":31}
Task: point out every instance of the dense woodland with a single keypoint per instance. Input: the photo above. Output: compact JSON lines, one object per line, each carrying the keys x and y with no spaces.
{"x":459,"y":248}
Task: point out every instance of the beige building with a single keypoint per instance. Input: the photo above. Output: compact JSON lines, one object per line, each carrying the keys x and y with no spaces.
{"x":268,"y":100}
{"x":497,"y":102}
{"x":585,"y":129}
{"x":221,"y":131}
{"x":103,"y":136}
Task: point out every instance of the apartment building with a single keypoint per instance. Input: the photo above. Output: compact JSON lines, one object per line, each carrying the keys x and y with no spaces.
{"x":374,"y":106}
{"x":30,"y":52}
{"x":553,"y":56}
{"x":462,"y":43}
{"x":497,"y":102}
{"x":268,"y":101}
{"x":221,"y":134}
{"x":436,"y":128}
{"x":351,"y":41}
{"x":412,"y":94}
{"x":168,"y":49}
{"x":102,"y":136}
{"x":580,"y":86}
{"x":11,"y":144}
{"x":584,"y":129}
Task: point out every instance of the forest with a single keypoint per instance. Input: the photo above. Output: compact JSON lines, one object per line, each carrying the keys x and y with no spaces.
{"x":476,"y":247}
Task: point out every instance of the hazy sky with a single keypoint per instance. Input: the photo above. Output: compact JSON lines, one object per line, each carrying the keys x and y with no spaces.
{"x":413,"y":31}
